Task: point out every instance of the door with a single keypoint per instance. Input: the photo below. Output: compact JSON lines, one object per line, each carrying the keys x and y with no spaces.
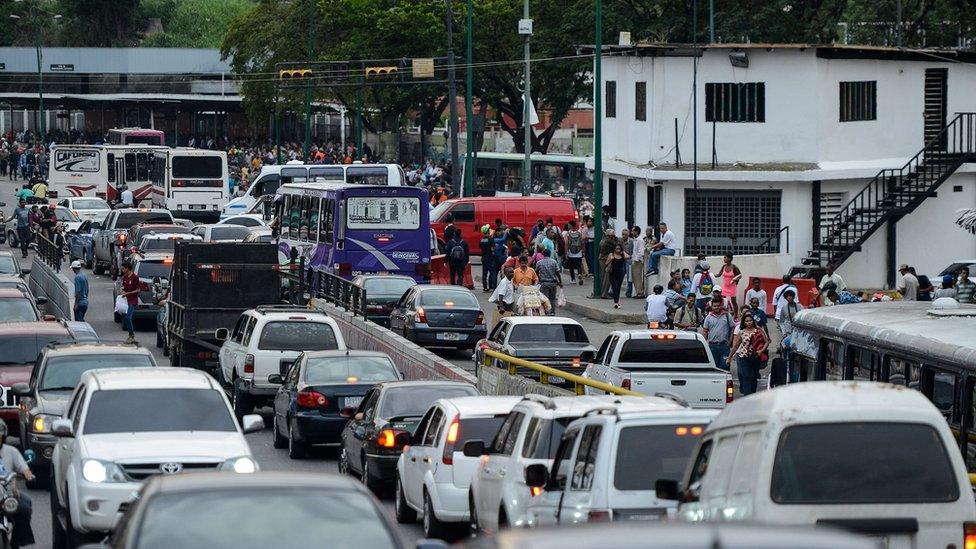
{"x":630,"y":203}
{"x":227,"y":351}
{"x":603,"y":360}
{"x":500,"y":464}
{"x":545,"y":507}
{"x":66,"y":445}
{"x":935,"y":106}
{"x":411,"y":479}
{"x":575,"y":505}
{"x":359,"y":430}
{"x":426,"y":455}
{"x":284,"y":396}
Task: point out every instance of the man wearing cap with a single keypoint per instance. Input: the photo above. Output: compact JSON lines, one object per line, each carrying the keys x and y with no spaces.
{"x":908,"y":287}
{"x":81,"y":291}
{"x":22,"y":215}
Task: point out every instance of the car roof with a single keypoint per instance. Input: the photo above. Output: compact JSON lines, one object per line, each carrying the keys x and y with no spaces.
{"x":96,"y":347}
{"x":678,"y":334}
{"x":11,"y":293}
{"x":430,"y":287}
{"x":820,"y":401}
{"x":6,"y":253}
{"x":540,"y":320}
{"x":346,"y":353}
{"x":578,"y":405}
{"x":205,"y":482}
{"x":39,"y":327}
{"x":477,"y":405}
{"x":150,"y":378}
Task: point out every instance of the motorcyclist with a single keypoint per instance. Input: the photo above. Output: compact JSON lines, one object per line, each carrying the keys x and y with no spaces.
{"x":11,"y":459}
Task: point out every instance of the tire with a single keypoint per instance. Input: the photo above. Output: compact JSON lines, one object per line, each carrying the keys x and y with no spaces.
{"x":343,"y":462}
{"x":277,"y":440}
{"x":12,"y":239}
{"x":296,"y":449}
{"x":473,"y":527}
{"x":242,"y":401}
{"x":404,"y":513}
{"x":433,"y":528}
{"x":58,"y":534}
{"x":365,"y":477}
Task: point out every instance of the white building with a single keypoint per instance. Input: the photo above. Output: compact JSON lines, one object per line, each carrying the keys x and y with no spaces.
{"x":797,"y":132}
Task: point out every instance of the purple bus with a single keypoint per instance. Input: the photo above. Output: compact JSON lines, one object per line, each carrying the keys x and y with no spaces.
{"x":350,"y":230}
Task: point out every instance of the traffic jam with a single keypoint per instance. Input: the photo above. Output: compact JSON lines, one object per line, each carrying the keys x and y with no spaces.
{"x":258,"y":417}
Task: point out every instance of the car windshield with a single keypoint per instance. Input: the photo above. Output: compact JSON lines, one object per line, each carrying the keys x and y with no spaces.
{"x":438,"y":212}
{"x":8,"y":265}
{"x":663,"y":351}
{"x":447,"y":298}
{"x":228,"y":232}
{"x":551,"y":333}
{"x":646,"y":453}
{"x":62,"y":373}
{"x":413,"y":400}
{"x":297,"y":336}
{"x":956,"y":267}
{"x":152,"y":269}
{"x":387,"y":285}
{"x":158,"y":245}
{"x":265,"y":517}
{"x":349,"y":369}
{"x":89,"y":204}
{"x":24,"y":348}
{"x":16,"y":309}
{"x":862,"y":462}
{"x":157,"y":410}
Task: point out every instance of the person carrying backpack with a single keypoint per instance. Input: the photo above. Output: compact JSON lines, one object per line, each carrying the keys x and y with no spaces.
{"x":702,"y":285}
{"x":457,"y":257}
{"x":574,"y":252}
{"x":489,"y":266}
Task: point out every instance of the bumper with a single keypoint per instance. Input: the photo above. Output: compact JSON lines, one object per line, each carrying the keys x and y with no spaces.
{"x":261,"y":391}
{"x":382,"y":467}
{"x":315,"y":428}
{"x":452,"y":503}
{"x":43,"y":447}
{"x":423,"y":334}
{"x":98,"y":505}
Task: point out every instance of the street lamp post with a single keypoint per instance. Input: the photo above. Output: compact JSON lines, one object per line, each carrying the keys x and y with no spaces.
{"x":308,"y":84}
{"x":452,"y":96}
{"x":525,"y":29}
{"x":598,"y":149}
{"x":33,"y":18}
{"x":468,"y":107}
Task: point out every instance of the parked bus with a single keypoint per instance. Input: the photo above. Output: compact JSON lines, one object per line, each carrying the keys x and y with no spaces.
{"x":273,"y":176}
{"x":191,"y":183}
{"x":101,"y":170}
{"x":927,"y":346}
{"x":348,"y":229}
{"x":136,"y":136}
{"x":552,"y":174}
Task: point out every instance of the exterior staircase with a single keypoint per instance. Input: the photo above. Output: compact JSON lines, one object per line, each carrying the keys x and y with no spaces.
{"x":891,"y":194}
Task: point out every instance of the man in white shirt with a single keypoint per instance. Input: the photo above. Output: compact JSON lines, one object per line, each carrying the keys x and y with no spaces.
{"x":656,"y":306}
{"x":664,"y":246}
{"x":778,"y":299}
{"x":757,"y":292}
{"x":504,"y":294}
{"x":833,"y":277}
{"x":127,"y":198}
{"x":908,"y":287}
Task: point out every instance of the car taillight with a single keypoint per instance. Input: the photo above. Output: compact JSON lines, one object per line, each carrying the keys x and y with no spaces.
{"x":535,"y":491}
{"x":249,"y":364}
{"x":730,"y":393}
{"x":453,"y":432}
{"x":421,"y":315}
{"x":969,"y":535}
{"x":599,"y":515}
{"x":387,"y":438}
{"x":625,"y":384}
{"x":312,"y":399}
{"x":480,"y":319}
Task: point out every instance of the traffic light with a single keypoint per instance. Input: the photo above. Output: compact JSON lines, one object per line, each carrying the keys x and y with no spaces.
{"x":294,"y":74}
{"x":375,"y":72}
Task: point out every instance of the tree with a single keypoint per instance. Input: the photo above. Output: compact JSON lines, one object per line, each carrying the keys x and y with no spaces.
{"x":191,"y":23}
{"x":100,"y":23}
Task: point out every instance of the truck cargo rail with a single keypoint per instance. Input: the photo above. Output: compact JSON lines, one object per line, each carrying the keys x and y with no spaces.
{"x":545,"y":372}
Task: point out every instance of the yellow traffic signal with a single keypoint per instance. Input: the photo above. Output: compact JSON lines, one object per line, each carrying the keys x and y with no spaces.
{"x":294,"y":74}
{"x":372,"y":72}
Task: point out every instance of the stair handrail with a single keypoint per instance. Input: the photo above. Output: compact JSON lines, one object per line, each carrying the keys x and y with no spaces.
{"x":776,"y":235}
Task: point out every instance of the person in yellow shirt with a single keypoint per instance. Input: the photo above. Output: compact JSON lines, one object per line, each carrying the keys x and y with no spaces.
{"x":525,"y":275}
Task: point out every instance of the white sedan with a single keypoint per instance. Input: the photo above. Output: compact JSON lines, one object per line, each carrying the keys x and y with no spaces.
{"x":86,"y":208}
{"x":247,"y":220}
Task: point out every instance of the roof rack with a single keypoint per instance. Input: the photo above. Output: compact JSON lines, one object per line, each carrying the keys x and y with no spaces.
{"x":101,"y":343}
{"x":600,"y":410}
{"x":283,"y":309}
{"x":545,"y":401}
{"x":672,"y":397}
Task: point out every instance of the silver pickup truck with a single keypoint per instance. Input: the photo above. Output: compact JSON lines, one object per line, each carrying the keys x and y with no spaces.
{"x":106,"y":234}
{"x":676,"y":363}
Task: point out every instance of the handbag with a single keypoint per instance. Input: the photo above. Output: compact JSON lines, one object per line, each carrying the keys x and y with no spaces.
{"x":121,"y":305}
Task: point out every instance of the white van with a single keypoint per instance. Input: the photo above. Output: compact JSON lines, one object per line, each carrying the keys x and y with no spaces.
{"x":273,"y":176}
{"x":869,"y":457}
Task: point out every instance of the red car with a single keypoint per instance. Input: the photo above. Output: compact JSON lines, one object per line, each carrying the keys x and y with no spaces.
{"x":20,"y":343}
{"x":470,"y":214}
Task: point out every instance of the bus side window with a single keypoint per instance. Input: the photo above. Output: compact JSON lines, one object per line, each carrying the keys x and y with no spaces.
{"x":130,"y":167}
{"x":296,"y":216}
{"x":831,"y":360}
{"x":110,"y":160}
{"x":303,"y":223}
{"x":142,"y":167}
{"x":968,"y":446}
{"x":328,"y":219}
{"x":282,"y":214}
{"x":902,"y":372}
{"x":942,"y":388}
{"x":864,"y":364}
{"x":313,"y":219}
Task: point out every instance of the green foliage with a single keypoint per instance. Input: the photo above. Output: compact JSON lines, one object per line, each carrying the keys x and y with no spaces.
{"x":99,"y":23}
{"x":192,"y":23}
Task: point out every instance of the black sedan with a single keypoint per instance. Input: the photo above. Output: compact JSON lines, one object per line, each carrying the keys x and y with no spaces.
{"x":382,"y":294}
{"x":439,"y":316}
{"x":318,"y":386}
{"x":383,"y":424}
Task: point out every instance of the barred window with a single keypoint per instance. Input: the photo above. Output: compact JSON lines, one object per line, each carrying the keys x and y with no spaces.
{"x":735,"y":102}
{"x":611,"y":100}
{"x":858,"y":101}
{"x":640,"y":98}
{"x":737,"y":221}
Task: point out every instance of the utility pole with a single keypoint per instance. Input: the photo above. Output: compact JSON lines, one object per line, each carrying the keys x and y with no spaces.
{"x":598,"y":149}
{"x":694,"y":126}
{"x":308,"y":84}
{"x":34,"y":19}
{"x":711,"y":21}
{"x":468,"y":107}
{"x":525,"y":29}
{"x":452,"y":96}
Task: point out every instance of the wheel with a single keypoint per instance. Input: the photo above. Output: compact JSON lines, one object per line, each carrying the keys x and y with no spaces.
{"x":343,"y":462}
{"x":296,"y":449}
{"x":404,"y":513}
{"x":433,"y":528}
{"x":365,"y":476}
{"x":472,"y":515}
{"x":12,"y":239}
{"x":58,"y":534}
{"x":242,"y":401}
{"x":277,"y":440}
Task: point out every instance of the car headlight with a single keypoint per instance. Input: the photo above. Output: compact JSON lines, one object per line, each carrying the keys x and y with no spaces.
{"x":42,"y":423}
{"x":243,"y":464}
{"x":98,"y":471}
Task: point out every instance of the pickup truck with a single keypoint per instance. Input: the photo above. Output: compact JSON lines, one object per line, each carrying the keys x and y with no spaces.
{"x":107,"y":235}
{"x":666,"y":362}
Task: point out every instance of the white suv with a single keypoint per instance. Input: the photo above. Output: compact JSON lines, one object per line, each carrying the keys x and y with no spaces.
{"x":126,"y":425}
{"x":266,"y":340}
{"x":433,"y":475}
{"x":609,"y":461}
{"x":530,"y":435}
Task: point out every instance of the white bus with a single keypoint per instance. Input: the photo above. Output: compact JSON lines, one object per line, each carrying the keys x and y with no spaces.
{"x":100,"y":170}
{"x":191,"y":183}
{"x":273,"y":176}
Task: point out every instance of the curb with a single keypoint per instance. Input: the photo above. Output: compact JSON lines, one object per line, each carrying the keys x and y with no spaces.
{"x":606,"y":315}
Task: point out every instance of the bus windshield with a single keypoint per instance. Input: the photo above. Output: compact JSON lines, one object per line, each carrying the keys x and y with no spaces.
{"x":197,"y":167}
{"x":390,"y":213}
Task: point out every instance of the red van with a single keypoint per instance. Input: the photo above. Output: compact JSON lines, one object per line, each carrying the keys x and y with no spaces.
{"x":514,"y":211}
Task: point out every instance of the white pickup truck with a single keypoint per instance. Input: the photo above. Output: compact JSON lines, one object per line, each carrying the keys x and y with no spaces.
{"x":662,"y":361}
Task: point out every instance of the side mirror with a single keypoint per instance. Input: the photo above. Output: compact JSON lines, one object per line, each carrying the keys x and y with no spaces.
{"x":221,"y":334}
{"x":96,"y":226}
{"x":21,"y":389}
{"x":252,"y":423}
{"x":61,"y":428}
{"x":536,"y":475}
{"x":358,"y":416}
{"x":25,"y":271}
{"x":348,"y":411}
{"x":666,"y":489}
{"x":40,"y":300}
{"x":276,"y":379}
{"x":474,"y":448}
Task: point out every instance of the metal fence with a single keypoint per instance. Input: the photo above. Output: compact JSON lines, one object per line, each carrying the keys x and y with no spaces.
{"x":340,"y":292}
{"x":49,"y":252}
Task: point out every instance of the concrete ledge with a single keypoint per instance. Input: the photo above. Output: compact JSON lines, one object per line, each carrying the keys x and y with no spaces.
{"x":495,"y":381}
{"x":59,"y":291}
{"x":602,"y":310}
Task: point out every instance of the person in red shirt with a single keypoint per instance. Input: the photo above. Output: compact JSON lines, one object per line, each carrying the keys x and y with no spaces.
{"x":130,"y":290}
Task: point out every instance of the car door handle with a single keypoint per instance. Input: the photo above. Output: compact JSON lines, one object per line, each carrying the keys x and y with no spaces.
{"x":679,"y":382}
{"x":426,"y":460}
{"x":413,"y":459}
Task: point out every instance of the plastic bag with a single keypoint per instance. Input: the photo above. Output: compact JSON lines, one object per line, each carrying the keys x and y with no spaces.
{"x":121,"y":305}
{"x":560,"y":297}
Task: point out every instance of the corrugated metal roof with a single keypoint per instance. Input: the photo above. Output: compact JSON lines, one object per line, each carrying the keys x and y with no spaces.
{"x":116,"y":60}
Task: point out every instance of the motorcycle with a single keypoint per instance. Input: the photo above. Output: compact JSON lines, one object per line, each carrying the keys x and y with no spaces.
{"x":9,"y":503}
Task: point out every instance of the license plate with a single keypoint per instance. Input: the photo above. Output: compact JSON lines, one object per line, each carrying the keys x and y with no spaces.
{"x":450,"y":336}
{"x":351,"y":402}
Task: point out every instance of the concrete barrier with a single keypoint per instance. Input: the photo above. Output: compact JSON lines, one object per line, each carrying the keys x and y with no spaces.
{"x":495,"y":381}
{"x":44,"y":281}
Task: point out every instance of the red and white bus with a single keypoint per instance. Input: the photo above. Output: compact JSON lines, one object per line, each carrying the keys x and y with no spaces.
{"x":101,"y":170}
{"x":136,"y":136}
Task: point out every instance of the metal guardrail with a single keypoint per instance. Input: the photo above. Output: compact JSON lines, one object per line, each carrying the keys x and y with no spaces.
{"x":294,"y":275}
{"x":340,"y":292}
{"x":546,"y":371}
{"x":49,"y":252}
